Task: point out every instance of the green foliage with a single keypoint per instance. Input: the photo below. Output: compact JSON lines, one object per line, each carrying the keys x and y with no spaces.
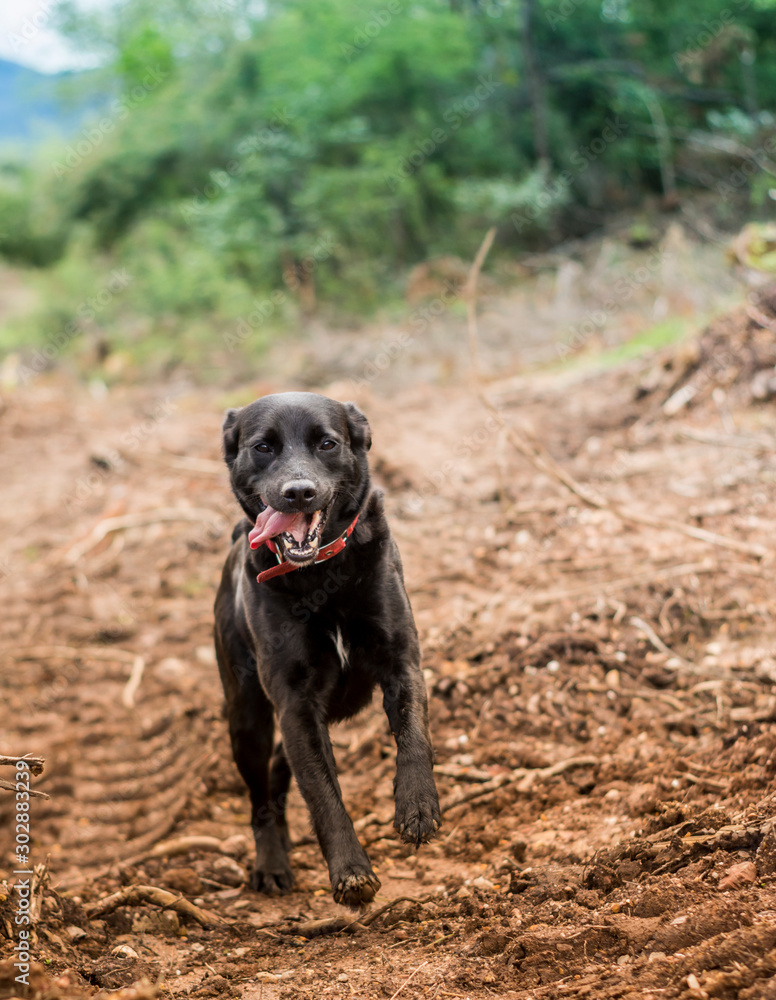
{"x":252,"y":149}
{"x":146,"y":47}
{"x":31,"y":230}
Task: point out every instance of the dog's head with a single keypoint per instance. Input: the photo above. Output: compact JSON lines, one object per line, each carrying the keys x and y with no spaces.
{"x":297,"y":461}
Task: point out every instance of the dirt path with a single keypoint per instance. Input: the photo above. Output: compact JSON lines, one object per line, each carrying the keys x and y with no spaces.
{"x":601,"y":697}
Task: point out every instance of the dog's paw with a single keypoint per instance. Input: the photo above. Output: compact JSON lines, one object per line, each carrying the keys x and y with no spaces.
{"x":418,"y":818}
{"x":356,"y":889}
{"x":272,"y":883}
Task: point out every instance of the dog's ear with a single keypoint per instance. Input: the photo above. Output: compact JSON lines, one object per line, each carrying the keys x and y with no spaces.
{"x":231,"y":430}
{"x":358,"y":428}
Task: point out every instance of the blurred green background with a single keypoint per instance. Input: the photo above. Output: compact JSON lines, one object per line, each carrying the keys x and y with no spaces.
{"x":230,"y":170}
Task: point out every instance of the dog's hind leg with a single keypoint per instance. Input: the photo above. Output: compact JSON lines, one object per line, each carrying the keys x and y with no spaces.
{"x":249,"y":714}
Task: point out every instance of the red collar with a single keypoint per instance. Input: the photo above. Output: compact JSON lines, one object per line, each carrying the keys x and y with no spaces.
{"x":323,"y":554}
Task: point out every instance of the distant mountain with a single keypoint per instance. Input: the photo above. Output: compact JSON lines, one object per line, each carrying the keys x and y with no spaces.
{"x":31,"y":107}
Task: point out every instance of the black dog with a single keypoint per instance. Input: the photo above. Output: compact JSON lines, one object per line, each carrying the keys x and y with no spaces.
{"x":311,"y":638}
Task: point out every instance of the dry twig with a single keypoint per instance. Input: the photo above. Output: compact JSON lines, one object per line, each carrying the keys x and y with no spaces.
{"x":337,"y":925}
{"x":659,"y":645}
{"x":132,"y":685}
{"x":9,"y":786}
{"x":35,"y":764}
{"x":409,"y":979}
{"x":140,"y":895}
{"x":75,"y":653}
{"x":525,"y":776}
{"x":125,"y":521}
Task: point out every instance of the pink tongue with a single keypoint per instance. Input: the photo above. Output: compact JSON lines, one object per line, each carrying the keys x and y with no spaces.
{"x":273,"y":522}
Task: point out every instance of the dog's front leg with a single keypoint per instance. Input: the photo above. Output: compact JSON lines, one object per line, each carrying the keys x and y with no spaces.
{"x":309,"y":752}
{"x":417,"y":803}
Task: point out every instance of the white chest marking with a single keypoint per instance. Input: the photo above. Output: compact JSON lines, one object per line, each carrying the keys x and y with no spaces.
{"x":339,"y":644}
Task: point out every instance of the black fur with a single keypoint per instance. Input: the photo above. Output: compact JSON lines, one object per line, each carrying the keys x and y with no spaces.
{"x":276,"y":641}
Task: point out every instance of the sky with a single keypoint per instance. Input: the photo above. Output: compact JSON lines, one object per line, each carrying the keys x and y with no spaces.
{"x":27,"y":35}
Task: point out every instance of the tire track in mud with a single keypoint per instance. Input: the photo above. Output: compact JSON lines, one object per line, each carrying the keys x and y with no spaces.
{"x":128,"y":775}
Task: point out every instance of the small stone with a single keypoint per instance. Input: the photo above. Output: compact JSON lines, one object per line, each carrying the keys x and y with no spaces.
{"x":170,"y":669}
{"x":169,"y":921}
{"x":693,"y":982}
{"x":623,"y":960}
{"x":482,"y":883}
{"x":185,"y":880}
{"x":657,"y":956}
{"x":227,"y":870}
{"x":744,"y":873}
{"x":613,"y":679}
{"x":124,"y":951}
{"x":75,"y":933}
{"x":342,"y":978}
{"x":518,"y":849}
{"x":236,"y":846}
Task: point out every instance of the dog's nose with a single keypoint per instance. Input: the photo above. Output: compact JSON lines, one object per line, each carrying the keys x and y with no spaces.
{"x":299,"y":493}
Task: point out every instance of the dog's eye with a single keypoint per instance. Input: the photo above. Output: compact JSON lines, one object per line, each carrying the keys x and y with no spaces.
{"x":327,"y":444}
{"x":262,"y":447}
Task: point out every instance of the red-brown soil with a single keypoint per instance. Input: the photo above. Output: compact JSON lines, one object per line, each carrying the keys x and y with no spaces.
{"x":552,"y":632}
